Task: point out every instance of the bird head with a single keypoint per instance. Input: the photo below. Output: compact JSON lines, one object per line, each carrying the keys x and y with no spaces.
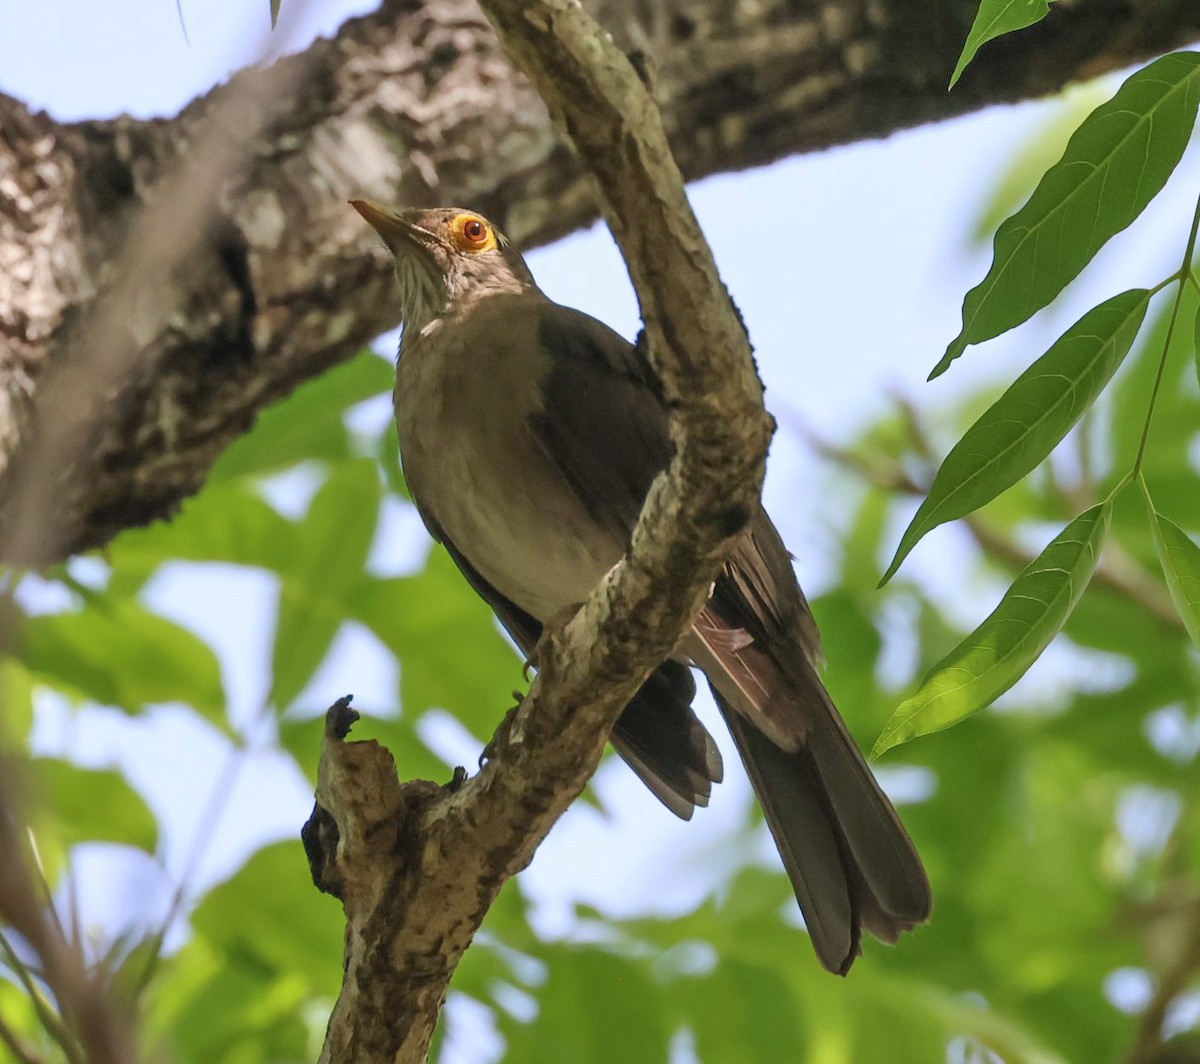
{"x":445,"y":256}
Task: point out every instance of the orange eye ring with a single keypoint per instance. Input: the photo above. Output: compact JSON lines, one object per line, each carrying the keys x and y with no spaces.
{"x":472,"y":233}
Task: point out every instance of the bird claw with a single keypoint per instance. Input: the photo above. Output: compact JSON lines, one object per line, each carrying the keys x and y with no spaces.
{"x":549,"y":636}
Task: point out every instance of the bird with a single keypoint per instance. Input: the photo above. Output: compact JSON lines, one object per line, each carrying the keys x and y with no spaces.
{"x":530,"y":434}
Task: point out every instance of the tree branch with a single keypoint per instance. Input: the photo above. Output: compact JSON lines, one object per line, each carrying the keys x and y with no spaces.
{"x":417,"y":867}
{"x":1179,"y":910}
{"x":1117,"y":570}
{"x":415,"y":104}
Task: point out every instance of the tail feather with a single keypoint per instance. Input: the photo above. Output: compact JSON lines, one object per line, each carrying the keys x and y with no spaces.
{"x":662,"y":740}
{"x":851,"y":862}
{"x":807,"y":837}
{"x":878,"y":841}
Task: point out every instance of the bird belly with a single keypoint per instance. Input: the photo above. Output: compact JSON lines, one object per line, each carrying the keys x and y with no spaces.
{"x":530,"y":539}
{"x":474,"y":467}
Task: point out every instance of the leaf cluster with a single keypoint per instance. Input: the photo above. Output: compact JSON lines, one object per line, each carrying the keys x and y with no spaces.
{"x":1114,"y":164}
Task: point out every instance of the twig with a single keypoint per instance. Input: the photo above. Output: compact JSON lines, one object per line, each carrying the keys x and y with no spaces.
{"x":418,"y":866}
{"x":19,"y":909}
{"x":214,"y":809}
{"x":1117,"y":572}
{"x":1173,"y":981}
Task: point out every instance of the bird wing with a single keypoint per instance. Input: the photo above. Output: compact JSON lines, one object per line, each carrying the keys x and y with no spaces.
{"x":852,"y":865}
{"x":604,"y":421}
{"x":657,"y":734}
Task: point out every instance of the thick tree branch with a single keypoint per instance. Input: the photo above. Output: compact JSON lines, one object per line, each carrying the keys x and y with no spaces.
{"x":416,"y":104}
{"x":417,"y":871}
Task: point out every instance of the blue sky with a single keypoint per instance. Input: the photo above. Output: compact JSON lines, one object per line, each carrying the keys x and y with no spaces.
{"x":859,"y":309}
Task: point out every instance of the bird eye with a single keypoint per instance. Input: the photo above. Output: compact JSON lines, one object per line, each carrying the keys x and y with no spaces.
{"x":473,"y":234}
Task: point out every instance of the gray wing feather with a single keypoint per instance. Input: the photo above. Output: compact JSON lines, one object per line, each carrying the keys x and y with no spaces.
{"x":604,"y":423}
{"x":605,"y":427}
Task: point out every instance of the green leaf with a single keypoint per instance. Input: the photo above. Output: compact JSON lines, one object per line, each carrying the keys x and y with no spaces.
{"x":210,"y":1005}
{"x":1165,"y":463}
{"x":1018,"y":431}
{"x":309,"y":424}
{"x":742,"y":1012}
{"x":1116,"y":163}
{"x":1196,"y":343}
{"x":227,"y":522}
{"x":117,"y":653}
{"x":587,"y":987}
{"x":258,"y":915}
{"x":274,"y":13}
{"x":1013,"y":182}
{"x":74,"y":804}
{"x":16,"y":705}
{"x":451,"y":654}
{"x":994,"y":19}
{"x":1180,"y":561}
{"x":329,"y":561}
{"x":998,"y":653}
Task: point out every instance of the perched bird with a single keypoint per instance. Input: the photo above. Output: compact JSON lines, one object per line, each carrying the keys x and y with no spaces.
{"x":530,"y":434}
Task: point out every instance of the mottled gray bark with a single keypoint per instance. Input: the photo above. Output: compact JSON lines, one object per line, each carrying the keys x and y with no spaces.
{"x":161,"y":351}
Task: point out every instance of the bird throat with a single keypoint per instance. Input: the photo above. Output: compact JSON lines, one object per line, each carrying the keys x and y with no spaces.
{"x":422,"y":292}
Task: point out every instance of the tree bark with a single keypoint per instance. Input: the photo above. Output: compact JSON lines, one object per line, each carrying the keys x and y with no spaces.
{"x":418,"y":867}
{"x":273,"y":279}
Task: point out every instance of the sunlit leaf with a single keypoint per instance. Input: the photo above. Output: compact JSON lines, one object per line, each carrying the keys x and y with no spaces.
{"x":16,"y":703}
{"x":998,"y":653}
{"x":1117,"y":161}
{"x":451,"y":654}
{"x":588,"y":986}
{"x":255,"y":915}
{"x":1180,"y":560}
{"x":117,"y":653}
{"x":994,"y":19}
{"x":72,"y":804}
{"x":1028,"y":421}
{"x":330,"y":558}
{"x":308,"y":424}
{"x":1196,"y":343}
{"x":20,"y":1014}
{"x":227,"y":522}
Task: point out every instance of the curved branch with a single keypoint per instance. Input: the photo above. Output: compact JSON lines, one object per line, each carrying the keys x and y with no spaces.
{"x":417,"y":871}
{"x":413,"y":103}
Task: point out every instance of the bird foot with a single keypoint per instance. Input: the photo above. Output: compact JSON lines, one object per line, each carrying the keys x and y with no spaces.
{"x":549,"y":636}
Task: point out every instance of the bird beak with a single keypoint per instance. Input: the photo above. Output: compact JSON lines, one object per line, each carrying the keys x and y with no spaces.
{"x":389,"y":224}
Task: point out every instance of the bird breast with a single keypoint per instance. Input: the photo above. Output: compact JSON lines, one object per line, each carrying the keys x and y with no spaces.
{"x":466,"y":388}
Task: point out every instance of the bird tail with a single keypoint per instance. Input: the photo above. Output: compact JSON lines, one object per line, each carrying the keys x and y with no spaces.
{"x":662,"y":740}
{"x":850,"y":860}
